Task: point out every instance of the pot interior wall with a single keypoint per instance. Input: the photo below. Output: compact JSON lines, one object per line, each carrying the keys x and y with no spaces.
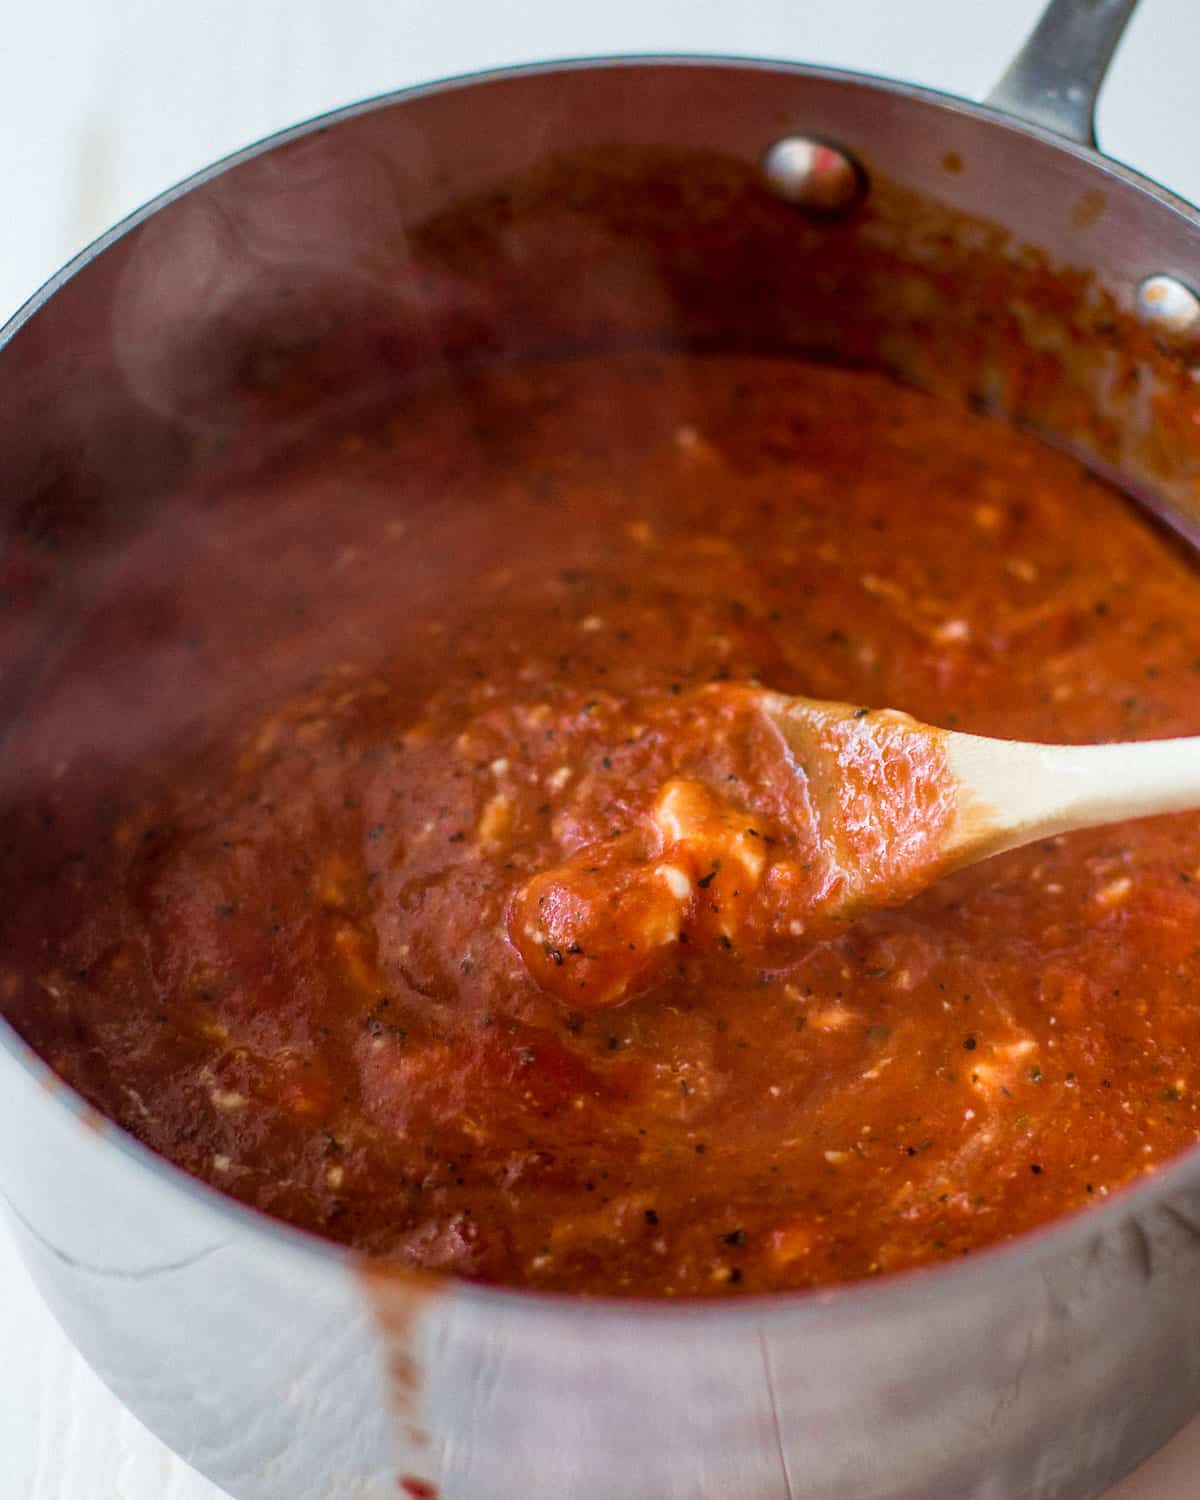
{"x":584,"y":207}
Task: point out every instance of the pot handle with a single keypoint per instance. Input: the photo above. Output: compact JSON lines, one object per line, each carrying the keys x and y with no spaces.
{"x":1054,"y":80}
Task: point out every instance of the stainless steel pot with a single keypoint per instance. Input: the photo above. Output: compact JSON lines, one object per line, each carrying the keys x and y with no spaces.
{"x":578,"y":204}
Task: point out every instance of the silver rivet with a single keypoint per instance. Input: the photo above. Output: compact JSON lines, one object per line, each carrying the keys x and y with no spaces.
{"x":813,"y":175}
{"x":1169,"y":309}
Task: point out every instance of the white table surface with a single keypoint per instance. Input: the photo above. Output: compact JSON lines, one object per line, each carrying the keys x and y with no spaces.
{"x":105,"y":102}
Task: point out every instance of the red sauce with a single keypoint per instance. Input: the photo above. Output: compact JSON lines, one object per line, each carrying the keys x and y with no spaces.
{"x":297,"y":961}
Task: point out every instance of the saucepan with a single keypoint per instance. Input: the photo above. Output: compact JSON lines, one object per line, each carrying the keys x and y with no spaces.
{"x":987,"y":251}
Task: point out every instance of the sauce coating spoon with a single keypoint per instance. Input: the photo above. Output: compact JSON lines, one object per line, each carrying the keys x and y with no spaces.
{"x":974,"y":796}
{"x":851,"y":809}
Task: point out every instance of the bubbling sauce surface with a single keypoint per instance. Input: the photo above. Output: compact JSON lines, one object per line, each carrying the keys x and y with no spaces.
{"x":297,"y":961}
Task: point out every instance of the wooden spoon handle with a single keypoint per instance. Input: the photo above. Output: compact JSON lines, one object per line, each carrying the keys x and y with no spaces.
{"x":1013,"y":793}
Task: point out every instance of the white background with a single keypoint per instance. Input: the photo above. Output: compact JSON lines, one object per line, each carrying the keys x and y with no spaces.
{"x":105,"y":102}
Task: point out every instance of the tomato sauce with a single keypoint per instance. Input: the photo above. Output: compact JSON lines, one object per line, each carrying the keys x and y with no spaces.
{"x":324,"y":960}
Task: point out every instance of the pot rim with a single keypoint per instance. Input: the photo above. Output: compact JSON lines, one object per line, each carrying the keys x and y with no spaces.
{"x":896,"y":1292}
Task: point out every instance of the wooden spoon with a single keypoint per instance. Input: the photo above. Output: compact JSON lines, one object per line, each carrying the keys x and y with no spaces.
{"x":907,"y":802}
{"x":870,"y":807}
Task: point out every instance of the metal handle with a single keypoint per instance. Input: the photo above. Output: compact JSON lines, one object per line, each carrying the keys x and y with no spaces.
{"x":1056,"y":76}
